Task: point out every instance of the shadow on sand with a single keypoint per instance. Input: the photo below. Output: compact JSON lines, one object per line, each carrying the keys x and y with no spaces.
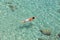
{"x":24,"y":26}
{"x":27,"y":25}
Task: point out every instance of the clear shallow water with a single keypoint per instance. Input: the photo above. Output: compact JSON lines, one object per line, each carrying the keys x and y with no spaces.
{"x":13,"y":11}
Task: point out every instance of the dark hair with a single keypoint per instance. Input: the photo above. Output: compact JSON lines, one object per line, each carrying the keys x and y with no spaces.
{"x":33,"y":17}
{"x":59,"y":35}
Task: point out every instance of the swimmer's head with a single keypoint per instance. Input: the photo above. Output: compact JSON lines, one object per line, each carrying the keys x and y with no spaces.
{"x":33,"y":17}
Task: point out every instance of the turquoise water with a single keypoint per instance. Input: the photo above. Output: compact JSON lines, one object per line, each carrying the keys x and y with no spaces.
{"x":12,"y":12}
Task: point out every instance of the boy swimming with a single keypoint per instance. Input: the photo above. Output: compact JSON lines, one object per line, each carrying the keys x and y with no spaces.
{"x":28,"y":19}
